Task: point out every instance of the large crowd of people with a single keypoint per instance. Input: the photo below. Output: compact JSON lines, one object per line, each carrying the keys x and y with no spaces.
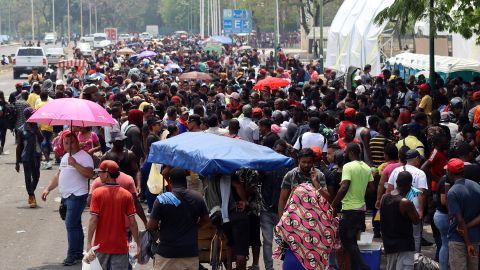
{"x":394,"y":149}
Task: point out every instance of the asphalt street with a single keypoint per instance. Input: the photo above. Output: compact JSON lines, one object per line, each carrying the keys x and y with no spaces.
{"x":36,"y":238}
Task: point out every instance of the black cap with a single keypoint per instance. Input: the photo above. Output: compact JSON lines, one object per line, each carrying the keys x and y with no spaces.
{"x":153,"y":121}
{"x":411,"y":154}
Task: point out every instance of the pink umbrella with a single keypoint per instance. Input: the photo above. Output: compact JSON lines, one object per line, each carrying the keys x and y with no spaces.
{"x":72,"y":112}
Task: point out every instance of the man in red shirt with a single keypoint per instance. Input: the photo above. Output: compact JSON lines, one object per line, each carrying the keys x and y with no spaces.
{"x":433,"y":166}
{"x":109,"y":206}
{"x":349,"y":118}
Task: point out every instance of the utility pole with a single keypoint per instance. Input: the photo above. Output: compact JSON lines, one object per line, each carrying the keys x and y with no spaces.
{"x":208,"y":16}
{"x":432,"y":46}
{"x":90,"y":17}
{"x":53,"y":16}
{"x":220,"y":17}
{"x":321,"y":38}
{"x":68,"y":21}
{"x":276,"y":38}
{"x":202,"y":18}
{"x":96,"y":20}
{"x":81,"y":18}
{"x":33,"y":27}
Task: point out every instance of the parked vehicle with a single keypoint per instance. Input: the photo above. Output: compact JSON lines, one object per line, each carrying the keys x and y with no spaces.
{"x":100,"y":40}
{"x":26,"y":58}
{"x":84,"y":48}
{"x":54,"y":55}
{"x":124,"y":37}
{"x":50,"y":38}
{"x":145,"y":36}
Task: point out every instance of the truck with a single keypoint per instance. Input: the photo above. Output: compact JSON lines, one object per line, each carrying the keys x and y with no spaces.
{"x":26,"y":58}
{"x":50,"y":37}
{"x":100,"y":40}
{"x":152,"y":30}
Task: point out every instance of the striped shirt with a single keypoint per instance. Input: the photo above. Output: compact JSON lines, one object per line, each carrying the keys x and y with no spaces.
{"x":377,"y":149}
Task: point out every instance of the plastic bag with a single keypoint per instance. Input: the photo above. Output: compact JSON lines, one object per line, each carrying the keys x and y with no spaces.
{"x":423,"y":262}
{"x":88,"y":263}
{"x":145,"y":243}
{"x":155,"y":182}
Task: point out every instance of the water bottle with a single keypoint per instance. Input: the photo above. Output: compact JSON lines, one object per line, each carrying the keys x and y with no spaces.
{"x":132,"y":252}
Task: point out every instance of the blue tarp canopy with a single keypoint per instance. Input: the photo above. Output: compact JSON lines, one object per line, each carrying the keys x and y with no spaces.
{"x":208,"y":154}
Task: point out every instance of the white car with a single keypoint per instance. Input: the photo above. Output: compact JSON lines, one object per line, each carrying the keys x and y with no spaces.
{"x":145,"y":36}
{"x":85,"y":48}
{"x":124,"y":37}
{"x":54,"y":55}
{"x":50,"y":38}
{"x":26,"y":58}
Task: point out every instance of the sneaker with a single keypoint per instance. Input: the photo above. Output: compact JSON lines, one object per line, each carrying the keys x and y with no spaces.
{"x":48,"y":165}
{"x":33,"y":202}
{"x":69,"y":261}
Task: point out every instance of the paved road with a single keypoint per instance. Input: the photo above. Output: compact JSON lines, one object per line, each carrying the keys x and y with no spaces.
{"x":33,"y":238}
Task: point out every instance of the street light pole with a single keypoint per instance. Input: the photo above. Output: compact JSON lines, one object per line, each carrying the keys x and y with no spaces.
{"x":53,"y":16}
{"x":68,"y":21}
{"x":276,"y":38}
{"x":96,"y":20}
{"x":432,"y":46}
{"x":33,"y":27}
{"x":321,"y":38}
{"x":81,"y":18}
{"x":90,"y":17}
{"x":202,"y":18}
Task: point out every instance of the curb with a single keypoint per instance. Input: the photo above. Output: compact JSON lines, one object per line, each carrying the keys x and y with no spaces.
{"x":10,"y":44}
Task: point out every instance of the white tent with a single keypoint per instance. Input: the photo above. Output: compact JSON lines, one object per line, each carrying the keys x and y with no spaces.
{"x":353,"y":37}
{"x":443,"y":64}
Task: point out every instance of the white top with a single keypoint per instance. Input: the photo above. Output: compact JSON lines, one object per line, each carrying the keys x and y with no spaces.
{"x":70,"y":180}
{"x":109,"y":131}
{"x":248,"y":130}
{"x":419,"y":179}
{"x":310,"y":139}
{"x":216,"y":131}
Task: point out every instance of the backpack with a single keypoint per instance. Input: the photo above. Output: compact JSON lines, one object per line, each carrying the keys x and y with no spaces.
{"x":10,"y":116}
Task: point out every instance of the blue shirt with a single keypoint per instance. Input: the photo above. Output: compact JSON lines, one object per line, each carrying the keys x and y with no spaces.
{"x":464,"y":199}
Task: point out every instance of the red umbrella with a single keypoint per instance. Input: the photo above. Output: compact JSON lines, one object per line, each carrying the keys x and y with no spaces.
{"x":272,"y":83}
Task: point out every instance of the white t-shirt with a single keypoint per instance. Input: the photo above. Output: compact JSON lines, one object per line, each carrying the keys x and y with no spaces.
{"x":248,"y":130}
{"x":310,"y":139}
{"x":70,"y":180}
{"x":419,"y":179}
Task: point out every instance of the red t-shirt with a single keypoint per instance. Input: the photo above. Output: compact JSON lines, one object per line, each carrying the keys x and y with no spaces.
{"x":343,"y":145}
{"x":341,"y":128}
{"x":438,"y":160}
{"x":124,"y":180}
{"x":111,"y":203}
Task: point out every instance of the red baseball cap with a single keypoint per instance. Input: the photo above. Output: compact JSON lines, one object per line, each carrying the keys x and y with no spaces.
{"x":350,"y":112}
{"x":317,"y":151}
{"x":176,"y":98}
{"x":455,"y":165}
{"x":424,"y":87}
{"x":257,"y":110}
{"x":108,"y":166}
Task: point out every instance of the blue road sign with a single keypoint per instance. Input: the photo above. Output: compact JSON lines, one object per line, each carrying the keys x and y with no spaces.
{"x":236,"y":21}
